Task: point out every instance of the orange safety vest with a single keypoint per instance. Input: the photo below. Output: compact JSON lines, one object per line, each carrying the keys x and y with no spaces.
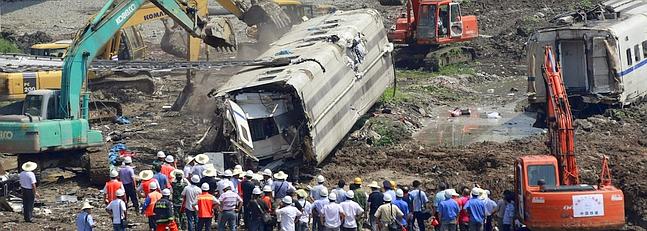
{"x":111,"y":189}
{"x":166,"y":170}
{"x":154,"y":197}
{"x":205,"y":205}
{"x":146,"y":186}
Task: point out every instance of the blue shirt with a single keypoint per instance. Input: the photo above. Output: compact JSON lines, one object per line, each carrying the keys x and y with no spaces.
{"x":161,"y":180}
{"x":341,"y":195}
{"x":419,"y":199}
{"x":476,"y":209}
{"x":319,"y":204}
{"x":126,"y":174}
{"x":508,"y":214}
{"x":392,"y":193}
{"x":440,"y":196}
{"x":404,"y":207}
{"x":84,"y":221}
{"x":448,"y":210}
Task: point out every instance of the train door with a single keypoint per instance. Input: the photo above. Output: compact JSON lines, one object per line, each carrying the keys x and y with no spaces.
{"x":242,"y":125}
{"x":572,"y":57}
{"x":602,"y":78}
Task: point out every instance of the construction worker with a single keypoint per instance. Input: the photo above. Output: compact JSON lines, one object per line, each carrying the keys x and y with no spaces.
{"x":352,"y":210}
{"x":318,"y":206}
{"x":147,"y":178}
{"x":127,"y":178}
{"x":160,"y":159}
{"x":162,"y":180}
{"x":387,"y":214}
{"x":197,"y":169}
{"x":475,"y":208}
{"x":501,"y":205}
{"x":190,"y":202}
{"x":448,"y":210}
{"x":402,"y":205}
{"x":332,"y":214}
{"x":361,"y":197}
{"x":490,"y":209}
{"x":463,"y":217}
{"x":247,"y":188}
{"x":84,"y":221}
{"x":164,"y":214}
{"x":149,"y":205}
{"x":230,"y":204}
{"x":28,"y":185}
{"x":206,"y":203}
{"x":267,"y":178}
{"x":168,"y":166}
{"x":281,"y":186}
{"x":389,"y":188}
{"x":341,"y":193}
{"x":257,"y":210}
{"x":189,"y":161}
{"x":314,"y":193}
{"x":178,"y":184}
{"x":209,"y":177}
{"x":375,"y":200}
{"x":235,"y":180}
{"x":111,"y":187}
{"x":117,"y":210}
{"x":225,"y":182}
{"x":267,"y":200}
{"x":419,"y":201}
{"x":306,"y":210}
{"x":287,"y":214}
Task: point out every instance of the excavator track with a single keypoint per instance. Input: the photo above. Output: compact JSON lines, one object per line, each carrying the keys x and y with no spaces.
{"x":432,"y":58}
{"x":97,"y":165}
{"x":92,"y":162}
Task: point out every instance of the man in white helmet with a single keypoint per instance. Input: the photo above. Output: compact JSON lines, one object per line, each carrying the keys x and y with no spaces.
{"x":110,"y":188}
{"x":317,"y":207}
{"x":257,"y":210}
{"x":316,"y":190}
{"x":164,"y":214}
{"x":352,"y":210}
{"x":127,"y":177}
{"x":160,"y":159}
{"x":287,"y":214}
{"x":190,"y":202}
{"x":332,"y":214}
{"x":168,"y":166}
{"x":387,"y":214}
{"x":149,"y":204}
{"x":226,"y":182}
{"x":117,"y":210}
{"x":267,"y":178}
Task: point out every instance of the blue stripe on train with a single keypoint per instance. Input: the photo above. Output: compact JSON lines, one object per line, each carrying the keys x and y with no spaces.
{"x":633,"y":68}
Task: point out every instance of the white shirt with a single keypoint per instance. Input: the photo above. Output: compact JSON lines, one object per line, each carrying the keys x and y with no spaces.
{"x":315,"y":193}
{"x":27,"y":179}
{"x":190,"y":193}
{"x":187,"y":171}
{"x":286,"y":216}
{"x":222,"y":184}
{"x":331,"y":212}
{"x":351,"y":209}
{"x":307,"y":210}
{"x":118,"y":208}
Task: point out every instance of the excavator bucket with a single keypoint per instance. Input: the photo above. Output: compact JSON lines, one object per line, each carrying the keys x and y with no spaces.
{"x":391,"y":2}
{"x":267,"y":12}
{"x":220,"y":34}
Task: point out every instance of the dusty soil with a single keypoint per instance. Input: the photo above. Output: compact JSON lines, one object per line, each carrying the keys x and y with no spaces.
{"x":505,"y":26}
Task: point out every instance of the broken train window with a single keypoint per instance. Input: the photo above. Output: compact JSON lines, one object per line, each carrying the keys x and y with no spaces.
{"x":263,"y":128}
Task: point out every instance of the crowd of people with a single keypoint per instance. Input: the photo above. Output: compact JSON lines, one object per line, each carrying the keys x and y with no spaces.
{"x":198,"y":197}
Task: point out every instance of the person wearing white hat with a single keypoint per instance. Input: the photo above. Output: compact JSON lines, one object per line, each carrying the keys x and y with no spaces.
{"x":402,"y":205}
{"x":84,"y":221}
{"x":314,"y":193}
{"x":476,"y":210}
{"x":267,"y":200}
{"x":127,"y":178}
{"x":117,"y":210}
{"x":147,"y":178}
{"x":188,"y":165}
{"x":230,"y":204}
{"x":149,"y":204}
{"x":257,"y":209}
{"x":247,"y":186}
{"x":110,"y":188}
{"x":306,"y":210}
{"x":267,"y":177}
{"x":375,"y":200}
{"x":206,"y":203}
{"x":287,"y":214}
{"x":178,"y":183}
{"x":448,"y":211}
{"x":226,"y":182}
{"x":238,"y":173}
{"x":332,"y":214}
{"x":160,"y":159}
{"x":352,"y":210}
{"x":387,"y":214}
{"x":27,"y":180}
{"x":318,"y":206}
{"x":162,"y":180}
{"x":490,"y":209}
{"x":168,"y":166}
{"x":281,"y":187}
{"x":190,"y":202}
{"x":200,"y":161}
{"x":164,"y":214}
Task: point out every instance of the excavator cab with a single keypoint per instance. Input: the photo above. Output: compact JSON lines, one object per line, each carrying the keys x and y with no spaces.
{"x":441,"y":22}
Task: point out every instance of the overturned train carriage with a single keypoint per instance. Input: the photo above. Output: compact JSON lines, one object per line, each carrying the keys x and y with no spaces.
{"x":340,"y":65}
{"x":602,"y":55}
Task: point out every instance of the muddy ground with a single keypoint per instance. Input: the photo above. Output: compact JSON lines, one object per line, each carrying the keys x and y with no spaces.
{"x":393,"y":140}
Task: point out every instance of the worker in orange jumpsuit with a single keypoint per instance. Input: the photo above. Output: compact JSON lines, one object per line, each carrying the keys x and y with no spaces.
{"x":149,"y":205}
{"x":168,"y":167}
{"x":111,"y":187}
{"x":164,"y":214}
{"x":147,"y":178}
{"x":206,"y":204}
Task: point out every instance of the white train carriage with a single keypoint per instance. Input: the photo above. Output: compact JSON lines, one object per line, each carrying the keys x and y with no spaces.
{"x":602,"y":58}
{"x":340,"y":66}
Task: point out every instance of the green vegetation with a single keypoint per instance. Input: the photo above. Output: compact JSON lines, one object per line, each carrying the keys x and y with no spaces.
{"x":586,"y":3}
{"x":390,"y":131}
{"x":449,"y":70}
{"x":7,"y":46}
{"x":400,"y":96}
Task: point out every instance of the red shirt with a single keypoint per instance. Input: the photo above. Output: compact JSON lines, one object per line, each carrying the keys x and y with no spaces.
{"x":463,"y":217}
{"x":268,"y":202}
{"x":111,"y":189}
{"x":146,"y":186}
{"x":205,"y":205}
{"x":154,"y":197}
{"x":166,"y":170}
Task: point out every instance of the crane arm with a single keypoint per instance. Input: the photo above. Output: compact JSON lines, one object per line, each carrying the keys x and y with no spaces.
{"x":95,"y":35}
{"x":560,"y":122}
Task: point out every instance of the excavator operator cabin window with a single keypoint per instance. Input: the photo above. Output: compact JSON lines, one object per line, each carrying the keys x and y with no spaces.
{"x":455,"y":12}
{"x":443,"y":21}
{"x":32,"y":105}
{"x":538,"y":172}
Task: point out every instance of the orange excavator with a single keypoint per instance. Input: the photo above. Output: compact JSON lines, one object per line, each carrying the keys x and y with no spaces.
{"x":426,"y":32}
{"x":549,"y":195}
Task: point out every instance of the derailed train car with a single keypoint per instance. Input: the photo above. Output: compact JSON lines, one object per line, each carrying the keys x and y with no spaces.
{"x":602,"y":53}
{"x":340,"y":66}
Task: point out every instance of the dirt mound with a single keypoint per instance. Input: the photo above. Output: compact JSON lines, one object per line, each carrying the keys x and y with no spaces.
{"x":26,"y":40}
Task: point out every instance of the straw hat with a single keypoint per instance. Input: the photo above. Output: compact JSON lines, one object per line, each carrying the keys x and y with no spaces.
{"x":302,"y":193}
{"x":202,"y":159}
{"x":257,"y":177}
{"x":29,"y":166}
{"x":86,"y":205}
{"x":238,"y":170}
{"x":188,"y":159}
{"x":281,"y":175}
{"x":146,"y":174}
{"x":228,"y":173}
{"x":175,"y":172}
{"x":209,"y":172}
{"x":373,"y":184}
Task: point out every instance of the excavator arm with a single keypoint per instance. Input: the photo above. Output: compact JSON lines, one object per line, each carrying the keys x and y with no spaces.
{"x":96,"y":34}
{"x":559,"y":120}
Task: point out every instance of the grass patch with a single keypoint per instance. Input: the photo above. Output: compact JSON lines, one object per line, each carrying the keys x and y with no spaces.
{"x":400,"y":96}
{"x":449,"y":70}
{"x":390,"y":131}
{"x":7,"y":46}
